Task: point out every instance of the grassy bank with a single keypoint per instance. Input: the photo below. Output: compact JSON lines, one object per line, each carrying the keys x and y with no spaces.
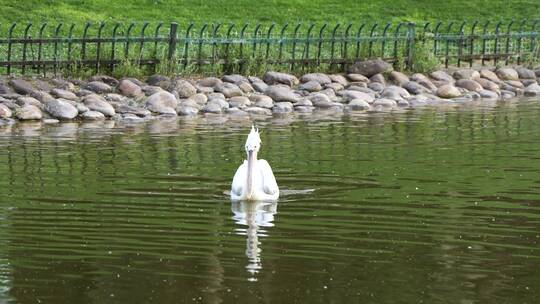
{"x":279,"y":11}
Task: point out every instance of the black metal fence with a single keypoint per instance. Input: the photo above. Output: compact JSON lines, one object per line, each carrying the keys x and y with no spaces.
{"x":215,"y":48}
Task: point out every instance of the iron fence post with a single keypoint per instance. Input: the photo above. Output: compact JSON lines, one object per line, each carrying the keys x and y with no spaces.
{"x":172,"y":41}
{"x":411,"y":33}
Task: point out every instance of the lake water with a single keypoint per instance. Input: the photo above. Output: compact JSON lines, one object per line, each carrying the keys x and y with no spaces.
{"x":431,"y":205}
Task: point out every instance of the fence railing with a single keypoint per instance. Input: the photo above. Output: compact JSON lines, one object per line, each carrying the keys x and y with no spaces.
{"x":225,"y":48}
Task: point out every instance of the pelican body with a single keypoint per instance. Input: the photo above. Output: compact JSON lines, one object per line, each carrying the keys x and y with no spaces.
{"x":254,"y":179}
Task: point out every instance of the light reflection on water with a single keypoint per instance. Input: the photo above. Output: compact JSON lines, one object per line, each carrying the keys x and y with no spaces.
{"x":435,"y":204}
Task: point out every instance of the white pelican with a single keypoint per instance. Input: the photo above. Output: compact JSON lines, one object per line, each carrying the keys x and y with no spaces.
{"x":254,"y":179}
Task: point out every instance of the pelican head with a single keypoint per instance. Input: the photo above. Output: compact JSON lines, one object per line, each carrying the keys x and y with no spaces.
{"x":253,"y":142}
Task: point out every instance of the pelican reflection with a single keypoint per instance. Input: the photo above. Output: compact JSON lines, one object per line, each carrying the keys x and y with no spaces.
{"x":256,"y":215}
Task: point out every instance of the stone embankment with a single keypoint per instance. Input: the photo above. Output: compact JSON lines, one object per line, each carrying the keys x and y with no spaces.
{"x":368,"y":86}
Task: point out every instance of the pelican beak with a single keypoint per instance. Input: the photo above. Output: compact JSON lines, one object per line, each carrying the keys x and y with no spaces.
{"x":249,"y":187}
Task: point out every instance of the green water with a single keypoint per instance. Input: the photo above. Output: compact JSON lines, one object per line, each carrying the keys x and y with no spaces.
{"x":431,"y":205}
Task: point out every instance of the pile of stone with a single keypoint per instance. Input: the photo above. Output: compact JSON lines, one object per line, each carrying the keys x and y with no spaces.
{"x":368,"y":85}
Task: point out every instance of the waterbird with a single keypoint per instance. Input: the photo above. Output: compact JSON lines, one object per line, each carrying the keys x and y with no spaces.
{"x":254,"y":179}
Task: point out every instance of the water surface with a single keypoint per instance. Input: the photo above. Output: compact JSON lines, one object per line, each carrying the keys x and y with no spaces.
{"x":433,"y":205}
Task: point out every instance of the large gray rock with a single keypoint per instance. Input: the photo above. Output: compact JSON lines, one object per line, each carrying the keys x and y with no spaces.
{"x":61,"y":109}
{"x":111,"y":81}
{"x":376,"y":86}
{"x":212,"y":107}
{"x":316,"y":77}
{"x":239,"y":102}
{"x":466,"y":74}
{"x":5,"y":112}
{"x":524,"y":73}
{"x":184,"y":88}
{"x":60,"y":93}
{"x":395,"y":93}
{"x":489,"y":75}
{"x":349,"y":95}
{"x":259,"y":86}
{"x":234,"y":78}
{"x":92,"y":116}
{"x":162,"y":103}
{"x":273,"y":78}
{"x":28,"y":112}
{"x":398,"y":78}
{"x":507,"y":74}
{"x":97,"y":87}
{"x":487,"y":94}
{"x":198,"y":98}
{"x":532,"y":90}
{"x":358,"y":105}
{"x":379,"y":78}
{"x":311,"y":86}
{"x":259,"y":111}
{"x":357,"y":78}
{"x":369,"y":68}
{"x":281,"y":93}
{"x":321,"y":101}
{"x":441,"y":76}
{"x":129,"y":88}
{"x":337,"y":78}
{"x":245,"y":87}
{"x":469,"y":84}
{"x":27,"y":100}
{"x":385,"y":103}
{"x":448,"y":91}
{"x":262,"y":101}
{"x":127,"y":109}
{"x":488,"y":84}
{"x":97,"y":103}
{"x":159,"y":81}
{"x":186,"y":110}
{"x":334,"y":86}
{"x":228,"y":89}
{"x":415,"y":88}
{"x":209,"y":82}
{"x":283,"y":107}
{"x":21,"y":86}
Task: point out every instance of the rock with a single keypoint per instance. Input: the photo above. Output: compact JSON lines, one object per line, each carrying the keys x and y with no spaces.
{"x":488,"y":94}
{"x":316,"y":77}
{"x":414,"y":88}
{"x":304,"y":102}
{"x":259,"y":86}
{"x":532,"y":90}
{"x":216,"y":96}
{"x":159,"y":81}
{"x":184,"y":88}
{"x":524,"y":73}
{"x":357,"y":78}
{"x":228,"y":89}
{"x":111,"y":81}
{"x":21,"y":86}
{"x":489,"y":75}
{"x":384,"y":102}
{"x":466,"y":74}
{"x":42,"y":96}
{"x":337,"y":78}
{"x":507,"y":74}
{"x":259,"y":111}
{"x":262,"y":101}
{"x":469,"y":84}
{"x":221,"y":102}
{"x":185,"y":110}
{"x":5,"y":112}
{"x":234,"y":78}
{"x":379,"y":78}
{"x":98,"y":103}
{"x":369,"y":68}
{"x":27,"y":100}
{"x":115,"y":97}
{"x":282,"y":107}
{"x":92,"y":115}
{"x":59,"y":93}
{"x":515,"y":84}
{"x":151,"y":90}
{"x":61,"y":109}
{"x":448,"y":91}
{"x":28,"y":112}
{"x":398,"y":78}
{"x":376,"y":86}
{"x":311,"y":86}
{"x":63,"y":84}
{"x":359,"y":105}
{"x":507,"y":87}
{"x":209,"y":82}
{"x":3,"y":89}
{"x":528,"y":82}
{"x":212,"y":107}
{"x":335,"y":86}
{"x":507,"y":94}
{"x":127,"y":109}
{"x":81,"y":108}
{"x":239,"y":102}
{"x":349,"y":95}
{"x":281,"y":93}
{"x":303,"y":109}
{"x":97,"y":87}
{"x":199,"y":99}
{"x":488,"y":84}
{"x":402,"y":103}
{"x":245,"y":87}
{"x":162,"y":103}
{"x":395,"y":93}
{"x":328,"y":92}
{"x":50,"y":121}
{"x":321,"y":101}
{"x":272,"y":78}
{"x":441,"y":76}
{"x":128,"y":88}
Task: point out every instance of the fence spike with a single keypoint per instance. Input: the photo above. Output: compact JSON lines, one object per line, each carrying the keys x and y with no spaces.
{"x":25,"y":44}
{"x":56,"y":42}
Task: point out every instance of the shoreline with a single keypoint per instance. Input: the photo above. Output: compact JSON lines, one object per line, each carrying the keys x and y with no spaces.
{"x":368,"y":86}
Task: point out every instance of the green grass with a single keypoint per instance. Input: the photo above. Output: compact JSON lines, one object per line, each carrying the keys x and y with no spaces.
{"x":279,"y":11}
